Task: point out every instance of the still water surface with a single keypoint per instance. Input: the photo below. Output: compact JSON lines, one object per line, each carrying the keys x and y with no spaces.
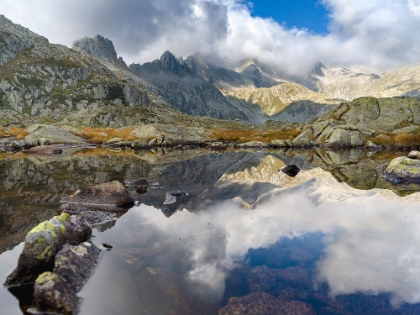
{"x":247,"y":238}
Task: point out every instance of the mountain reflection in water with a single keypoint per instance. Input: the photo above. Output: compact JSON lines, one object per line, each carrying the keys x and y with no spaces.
{"x":244,"y":229}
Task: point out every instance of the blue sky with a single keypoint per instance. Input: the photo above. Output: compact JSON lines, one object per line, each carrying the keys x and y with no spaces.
{"x":308,"y":14}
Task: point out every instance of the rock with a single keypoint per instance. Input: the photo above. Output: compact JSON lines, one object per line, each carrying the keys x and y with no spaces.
{"x":371,"y":146}
{"x":291,"y":170}
{"x":139,"y":143}
{"x":98,"y":46}
{"x":403,"y":170}
{"x":137,"y":182}
{"x":278,"y":143}
{"x":253,"y":144}
{"x":304,"y":139}
{"x":171,"y":134}
{"x":114,"y":140}
{"x":171,"y":196}
{"x":41,"y":133}
{"x":339,"y":138}
{"x":43,"y":242}
{"x":414,"y":155}
{"x":56,"y":292}
{"x":264,"y":304}
{"x":53,"y":294}
{"x":112,"y":194}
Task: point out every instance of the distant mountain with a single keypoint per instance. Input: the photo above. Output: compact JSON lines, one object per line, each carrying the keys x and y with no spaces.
{"x":89,"y":84}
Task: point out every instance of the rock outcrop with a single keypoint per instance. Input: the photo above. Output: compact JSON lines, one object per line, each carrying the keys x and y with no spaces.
{"x":111,"y":194}
{"x":403,"y":170}
{"x":42,"y":244}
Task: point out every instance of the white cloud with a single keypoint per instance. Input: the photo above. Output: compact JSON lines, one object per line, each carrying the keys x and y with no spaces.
{"x":378,"y":33}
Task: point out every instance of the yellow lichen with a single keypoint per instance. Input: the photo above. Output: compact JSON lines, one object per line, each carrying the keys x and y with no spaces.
{"x":40,"y":241}
{"x":62,"y":229}
{"x":64,"y":217}
{"x":47,"y":252}
{"x":44,"y":227}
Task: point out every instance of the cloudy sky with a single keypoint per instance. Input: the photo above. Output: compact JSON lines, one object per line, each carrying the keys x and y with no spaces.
{"x":291,"y":35}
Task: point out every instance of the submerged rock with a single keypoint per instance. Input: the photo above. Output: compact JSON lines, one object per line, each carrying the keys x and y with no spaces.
{"x":264,"y":304}
{"x":43,"y":242}
{"x":291,"y":170}
{"x":111,"y":194}
{"x":56,"y":291}
{"x":403,"y":170}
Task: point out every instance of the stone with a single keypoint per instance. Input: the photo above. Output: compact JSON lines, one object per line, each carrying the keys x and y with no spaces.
{"x":414,"y":154}
{"x":339,"y":138}
{"x":54,"y":135}
{"x":43,"y":242}
{"x":139,"y":143}
{"x":304,"y":139}
{"x":291,"y":170}
{"x":114,"y":140}
{"x":253,"y":144}
{"x":56,"y":291}
{"x":403,"y":170}
{"x":372,"y":146}
{"x":112,"y":194}
{"x":278,"y":143}
{"x":53,"y":294}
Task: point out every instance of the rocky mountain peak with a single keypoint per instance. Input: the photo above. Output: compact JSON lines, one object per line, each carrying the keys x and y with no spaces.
{"x":14,"y":38}
{"x":98,"y":46}
{"x":170,"y":63}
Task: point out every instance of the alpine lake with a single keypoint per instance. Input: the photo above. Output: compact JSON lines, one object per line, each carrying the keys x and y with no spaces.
{"x":247,"y":239}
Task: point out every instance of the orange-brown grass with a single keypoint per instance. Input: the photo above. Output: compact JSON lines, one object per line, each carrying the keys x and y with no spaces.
{"x":398,"y":140}
{"x":102,"y":135}
{"x":2,"y":132}
{"x":241,"y":136}
{"x":17,"y":132}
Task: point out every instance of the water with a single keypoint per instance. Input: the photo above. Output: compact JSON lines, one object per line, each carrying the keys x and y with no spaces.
{"x":336,"y":239}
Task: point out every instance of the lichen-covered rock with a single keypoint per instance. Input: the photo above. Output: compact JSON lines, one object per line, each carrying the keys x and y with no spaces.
{"x":261,"y":279}
{"x":43,"y":242}
{"x":112,"y":194}
{"x":53,"y":294}
{"x":403,"y":170}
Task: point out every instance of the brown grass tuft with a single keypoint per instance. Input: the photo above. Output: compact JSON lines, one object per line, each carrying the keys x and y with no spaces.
{"x":2,"y":132}
{"x":17,"y":132}
{"x":397,"y":140}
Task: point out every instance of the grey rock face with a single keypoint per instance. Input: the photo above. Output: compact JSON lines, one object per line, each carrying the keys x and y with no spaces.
{"x":15,"y":38}
{"x":98,"y":46}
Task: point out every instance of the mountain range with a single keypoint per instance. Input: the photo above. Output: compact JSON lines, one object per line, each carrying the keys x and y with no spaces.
{"x":88,"y":84}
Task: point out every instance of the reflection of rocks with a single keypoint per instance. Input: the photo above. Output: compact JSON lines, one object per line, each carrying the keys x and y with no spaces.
{"x":108,"y":194}
{"x":261,"y":279}
{"x":265,"y":304}
{"x":291,"y":170}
